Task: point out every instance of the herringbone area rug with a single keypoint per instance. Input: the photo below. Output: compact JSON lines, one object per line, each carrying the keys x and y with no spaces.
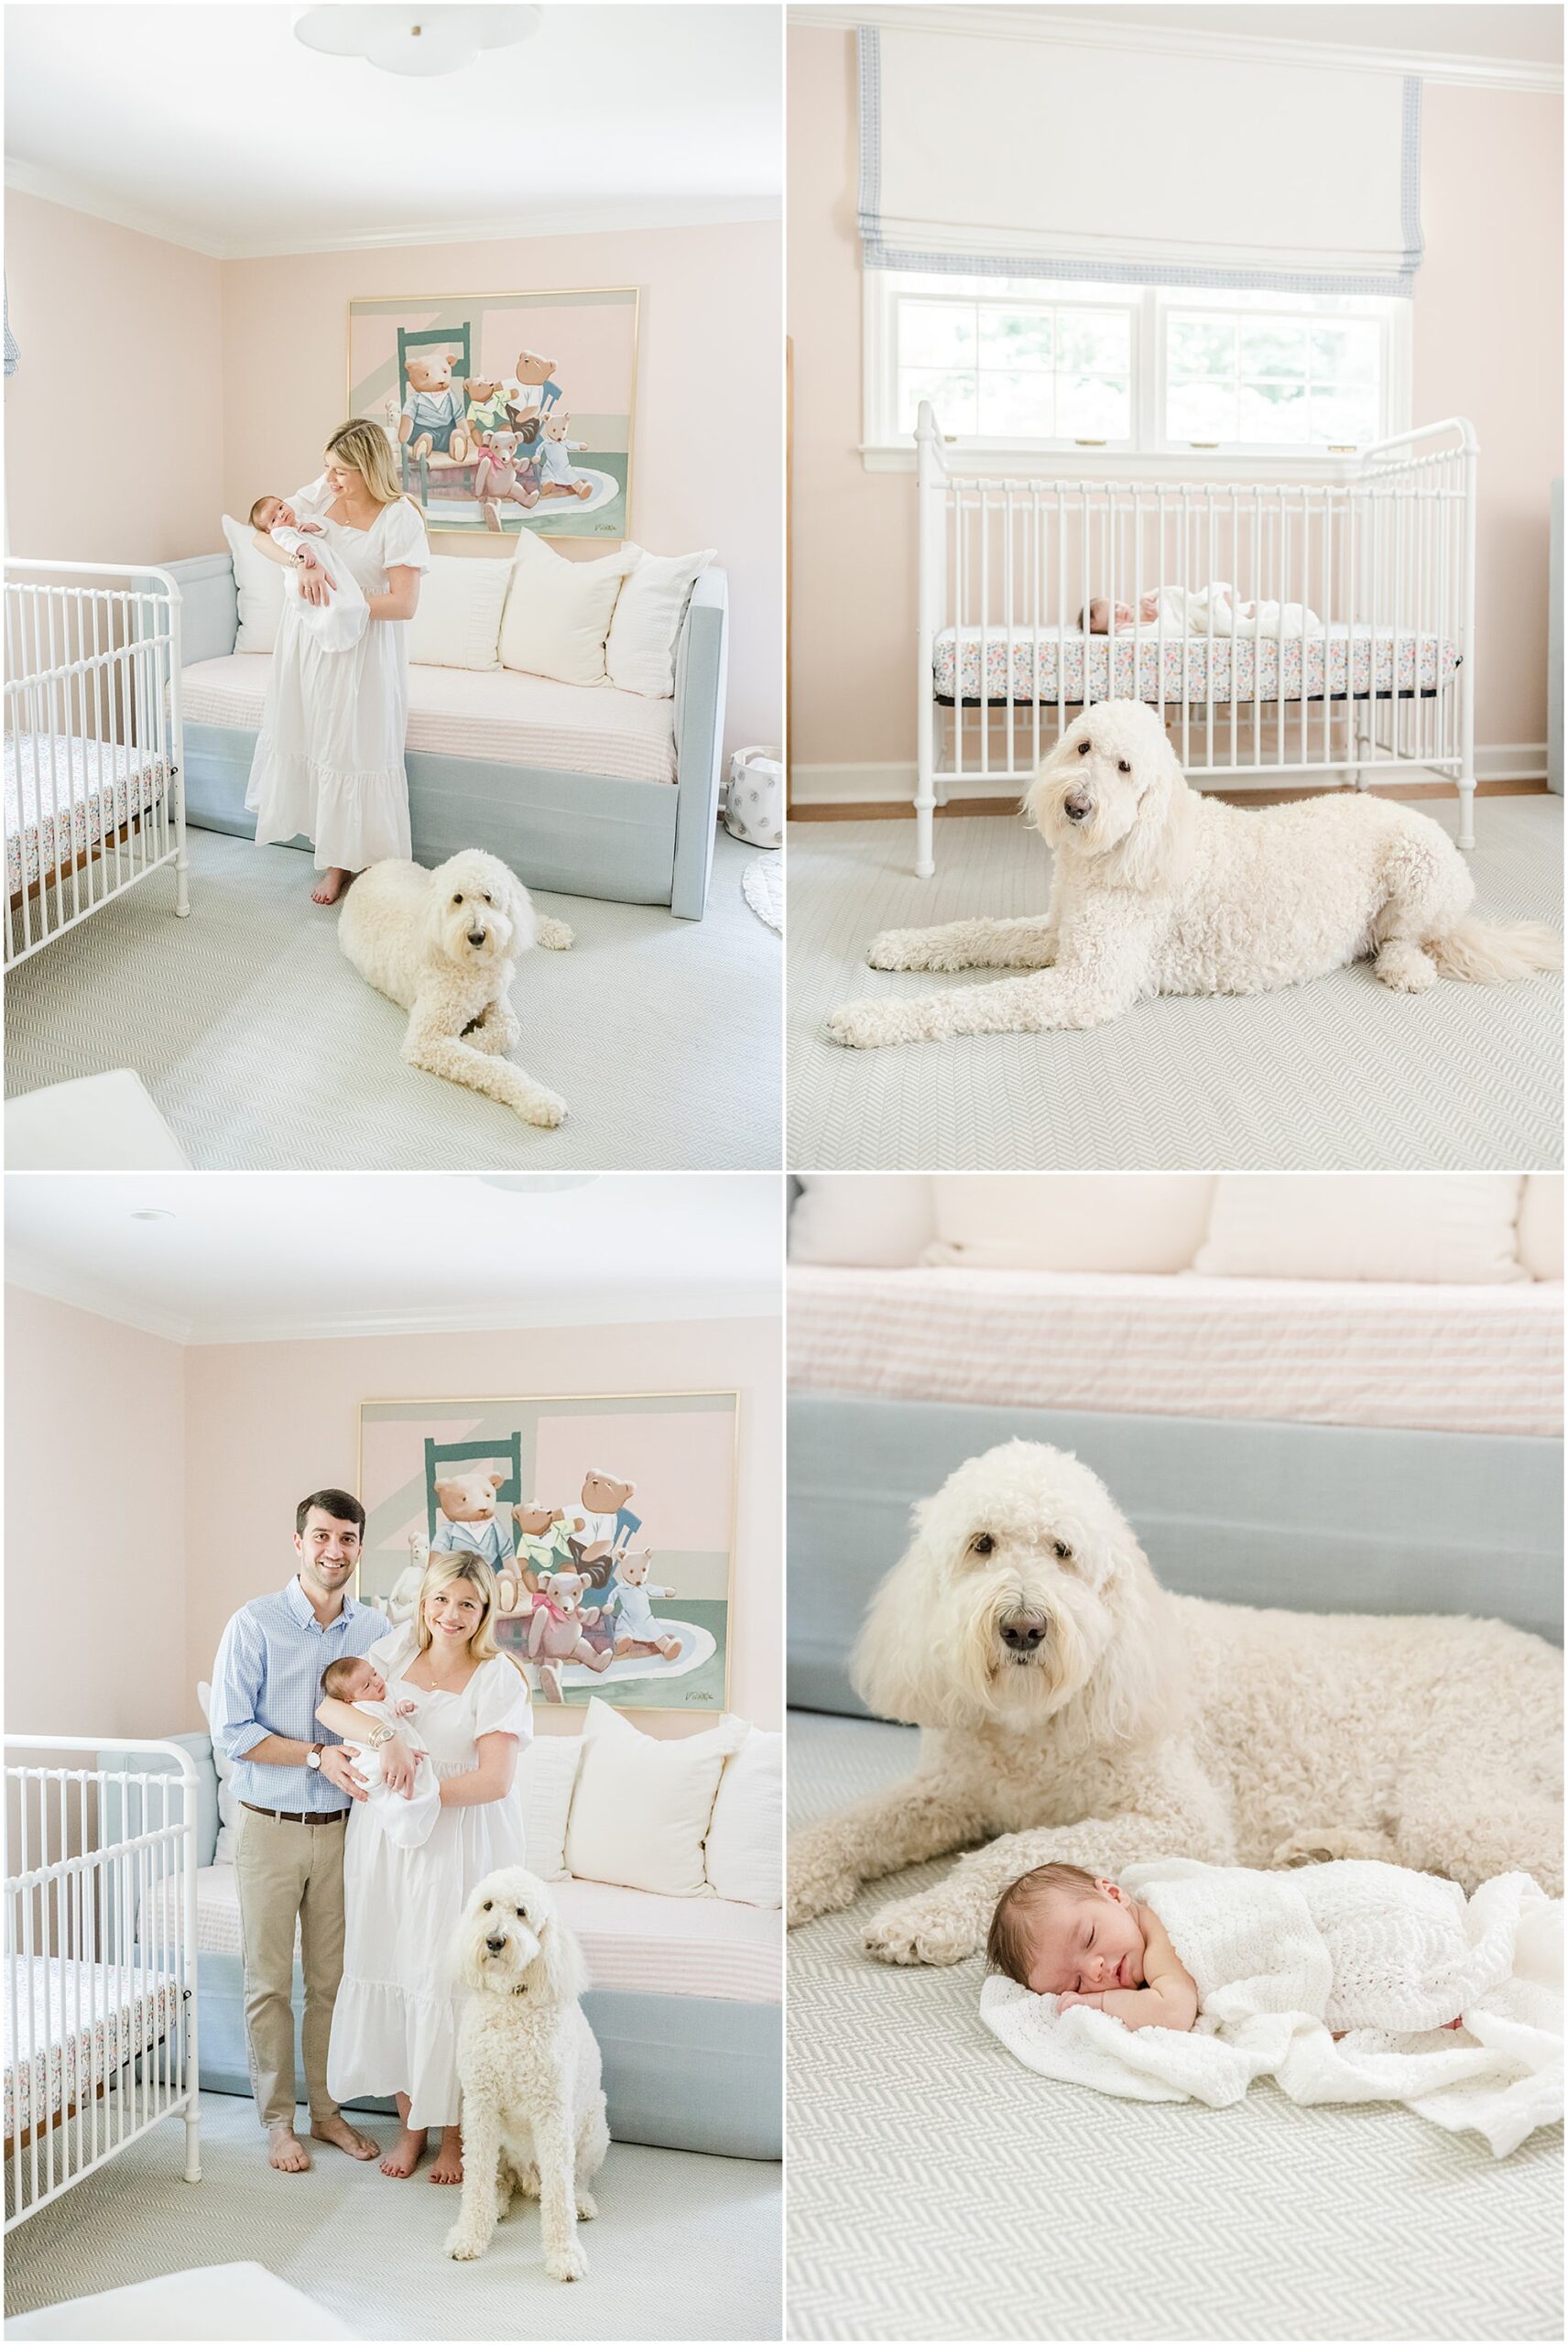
{"x":265,"y":1050}
{"x":938,"y":2189}
{"x":1340,"y":1074}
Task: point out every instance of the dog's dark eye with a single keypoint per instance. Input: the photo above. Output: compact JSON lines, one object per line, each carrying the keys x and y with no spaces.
{"x":1063,"y":1552}
{"x":982,"y":1543}
{"x":1122,"y":766}
{"x":522,"y":1916}
{"x":487,"y":1903}
{"x":488,"y":897}
{"x":457,"y":899}
{"x":1084,"y":747}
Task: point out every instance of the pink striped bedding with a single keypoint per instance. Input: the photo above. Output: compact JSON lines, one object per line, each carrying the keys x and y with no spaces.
{"x":1435,"y":1359}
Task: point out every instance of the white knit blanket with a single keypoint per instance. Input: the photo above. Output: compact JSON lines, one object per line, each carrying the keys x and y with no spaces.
{"x":1283,"y":1960}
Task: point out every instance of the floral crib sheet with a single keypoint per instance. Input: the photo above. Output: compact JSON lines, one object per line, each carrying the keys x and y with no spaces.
{"x":59,"y":2059}
{"x":1354,"y":660}
{"x":63,"y":794}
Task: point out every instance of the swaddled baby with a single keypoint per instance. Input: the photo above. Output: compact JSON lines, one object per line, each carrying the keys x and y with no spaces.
{"x":406,"y":1818}
{"x":1199,"y":610}
{"x":337,"y":624}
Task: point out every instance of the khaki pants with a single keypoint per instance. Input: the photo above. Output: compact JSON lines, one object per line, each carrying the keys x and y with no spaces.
{"x":282,"y":1870}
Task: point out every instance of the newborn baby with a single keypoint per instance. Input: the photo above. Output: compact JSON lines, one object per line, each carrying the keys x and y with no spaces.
{"x":1198,"y":610}
{"x":406,"y":1817}
{"x":339,"y":622}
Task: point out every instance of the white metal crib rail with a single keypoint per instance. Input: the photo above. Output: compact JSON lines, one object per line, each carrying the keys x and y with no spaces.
{"x":94,"y":745}
{"x":100,"y":1988}
{"x":1385,"y":558}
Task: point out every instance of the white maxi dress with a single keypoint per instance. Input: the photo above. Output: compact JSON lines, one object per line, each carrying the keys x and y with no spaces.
{"x":395,"y":2021}
{"x":328,"y":760}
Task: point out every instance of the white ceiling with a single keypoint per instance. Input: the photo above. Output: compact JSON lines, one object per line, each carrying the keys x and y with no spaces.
{"x":213,"y":127}
{"x":263,"y":1258}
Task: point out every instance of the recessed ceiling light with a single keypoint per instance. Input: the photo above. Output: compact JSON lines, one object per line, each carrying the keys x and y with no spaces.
{"x":418,"y":41}
{"x":536,"y":1185}
{"x":151,"y":1213}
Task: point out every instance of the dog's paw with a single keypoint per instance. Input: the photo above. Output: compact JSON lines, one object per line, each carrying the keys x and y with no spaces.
{"x":919,"y":1930}
{"x":587,"y":2206}
{"x":536,"y":1105}
{"x":818,"y":1878}
{"x":554,"y":935}
{"x":1405,"y":968}
{"x":463,"y":2246}
{"x":906,"y":948}
{"x":866,"y":1025}
{"x":567,"y":2263}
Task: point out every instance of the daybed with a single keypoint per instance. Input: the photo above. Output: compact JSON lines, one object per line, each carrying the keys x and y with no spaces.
{"x":584,"y":790}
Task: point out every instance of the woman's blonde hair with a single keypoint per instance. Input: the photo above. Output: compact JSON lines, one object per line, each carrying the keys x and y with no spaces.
{"x":364,"y":448}
{"x":446,"y":1567}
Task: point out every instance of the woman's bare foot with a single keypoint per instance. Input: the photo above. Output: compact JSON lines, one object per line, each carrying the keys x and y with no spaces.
{"x":448,"y":2166}
{"x":342,"y":2136}
{"x":285,"y":2151}
{"x":405,"y":2153}
{"x":329,"y":885}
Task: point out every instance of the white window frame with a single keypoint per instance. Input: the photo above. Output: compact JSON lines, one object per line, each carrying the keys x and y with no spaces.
{"x":1146,"y":456}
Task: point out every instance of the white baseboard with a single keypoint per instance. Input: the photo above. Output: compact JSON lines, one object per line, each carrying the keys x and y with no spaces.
{"x":893,"y":784}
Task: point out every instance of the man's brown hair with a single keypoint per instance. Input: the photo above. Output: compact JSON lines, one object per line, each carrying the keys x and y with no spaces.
{"x":1008,"y":1941}
{"x":339,"y":1504}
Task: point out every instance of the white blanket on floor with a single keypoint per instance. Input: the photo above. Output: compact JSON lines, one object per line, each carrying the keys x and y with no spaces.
{"x":1281,"y":1959}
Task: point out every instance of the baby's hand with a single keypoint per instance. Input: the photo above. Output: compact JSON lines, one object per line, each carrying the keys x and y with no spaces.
{"x":1096,"y":2002}
{"x":405,"y":1709}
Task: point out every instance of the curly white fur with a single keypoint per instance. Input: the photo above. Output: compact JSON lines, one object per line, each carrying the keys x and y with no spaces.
{"x":1157,"y":889}
{"x":444,"y":945}
{"x":533,"y":2112}
{"x":1075,"y":1711}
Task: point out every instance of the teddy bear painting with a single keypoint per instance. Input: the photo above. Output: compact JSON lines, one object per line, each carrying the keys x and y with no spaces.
{"x":630,"y":1610}
{"x":434,"y":413}
{"x":470,"y":1523}
{"x":558,"y":476}
{"x":600,"y":1534}
{"x":556,"y":1630}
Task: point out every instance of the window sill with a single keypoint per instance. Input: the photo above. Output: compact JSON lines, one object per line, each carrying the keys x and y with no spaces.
{"x":999,"y":460}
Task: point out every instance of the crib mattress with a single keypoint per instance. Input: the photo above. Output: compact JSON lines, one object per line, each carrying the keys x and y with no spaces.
{"x":1050,"y":665}
{"x":76,"y":2024}
{"x":1430,"y":1358}
{"x":707,"y":1947}
{"x":63,"y":792}
{"x":493,"y":713}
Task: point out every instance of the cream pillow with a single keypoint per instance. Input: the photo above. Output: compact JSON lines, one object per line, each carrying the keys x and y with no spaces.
{"x":458,"y":622}
{"x":863,"y":1220}
{"x":1540,"y":1224}
{"x":641,"y":1810}
{"x":640,"y":652}
{"x":1070,"y":1221}
{"x":224,"y":1852}
{"x":558,"y":612}
{"x":745,"y":1852}
{"x":546,"y":1773}
{"x":1422,"y":1229}
{"x":260,"y":586}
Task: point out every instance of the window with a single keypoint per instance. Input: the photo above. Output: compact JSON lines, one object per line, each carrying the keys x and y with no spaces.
{"x":1016,"y":363}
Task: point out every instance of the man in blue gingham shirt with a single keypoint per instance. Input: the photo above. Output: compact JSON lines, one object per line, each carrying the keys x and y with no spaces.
{"x":293,"y":1782}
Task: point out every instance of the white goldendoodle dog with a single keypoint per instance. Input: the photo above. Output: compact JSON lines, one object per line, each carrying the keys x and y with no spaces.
{"x":1157,"y":889}
{"x":1075,"y":1710}
{"x":443,"y":945}
{"x":533,"y":2110}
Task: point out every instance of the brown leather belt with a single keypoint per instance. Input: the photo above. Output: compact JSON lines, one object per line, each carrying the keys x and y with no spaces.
{"x":293,"y":1816}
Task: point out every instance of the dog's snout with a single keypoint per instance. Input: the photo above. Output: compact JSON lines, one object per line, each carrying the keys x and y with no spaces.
{"x":496,"y":1945}
{"x":1076,"y":805}
{"x":1022,"y":1631}
{"x":477,"y":936}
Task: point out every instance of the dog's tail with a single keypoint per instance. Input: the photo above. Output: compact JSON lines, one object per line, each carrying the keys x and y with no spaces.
{"x":1489,"y":952}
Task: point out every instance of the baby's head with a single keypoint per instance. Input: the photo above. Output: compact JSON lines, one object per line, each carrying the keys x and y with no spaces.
{"x":351,"y":1678}
{"x":1097,"y":617}
{"x":270,"y":512}
{"x":1060,"y":1930}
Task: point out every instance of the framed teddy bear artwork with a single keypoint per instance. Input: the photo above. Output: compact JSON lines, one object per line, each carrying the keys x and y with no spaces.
{"x":606,"y":1522}
{"x":505,"y":411}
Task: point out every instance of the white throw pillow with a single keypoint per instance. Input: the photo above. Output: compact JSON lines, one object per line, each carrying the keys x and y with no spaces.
{"x":224,"y":1852}
{"x":1070,"y":1221}
{"x":458,"y":623}
{"x":260,"y":586}
{"x":640,"y":650}
{"x":558,"y":612}
{"x":1422,"y":1229}
{"x":1540,"y":1224}
{"x":547,"y":1773}
{"x":641,"y":1810}
{"x":863,"y":1220}
{"x":744,"y":1854}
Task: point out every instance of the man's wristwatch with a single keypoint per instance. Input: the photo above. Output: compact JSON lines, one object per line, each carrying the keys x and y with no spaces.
{"x":313,"y":1756}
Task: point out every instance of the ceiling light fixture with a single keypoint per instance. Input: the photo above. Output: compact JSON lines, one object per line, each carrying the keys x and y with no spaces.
{"x":151,"y":1213}
{"x":416,"y":41}
{"x":536,"y":1185}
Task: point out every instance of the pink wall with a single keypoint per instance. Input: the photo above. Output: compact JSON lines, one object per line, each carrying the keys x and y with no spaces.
{"x":1489,"y":336}
{"x":120,"y":333}
{"x":95,"y":1526}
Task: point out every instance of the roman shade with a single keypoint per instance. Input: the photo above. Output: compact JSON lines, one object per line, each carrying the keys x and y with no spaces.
{"x":1003,"y":155}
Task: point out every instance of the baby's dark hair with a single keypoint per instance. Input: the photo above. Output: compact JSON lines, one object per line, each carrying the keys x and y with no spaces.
{"x":1008,"y":1940}
{"x":267,"y":497}
{"x":334,"y":1677}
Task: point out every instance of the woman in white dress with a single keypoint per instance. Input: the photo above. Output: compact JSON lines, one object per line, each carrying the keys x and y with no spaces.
{"x":329,"y":758}
{"x":394,"y":2022}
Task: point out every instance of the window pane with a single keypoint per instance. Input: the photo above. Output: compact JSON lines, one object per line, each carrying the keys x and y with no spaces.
{"x":1201,"y":346}
{"x":936,"y":333}
{"x":1275,"y":413}
{"x":1093,"y":407}
{"x":1348,"y":418}
{"x":951,"y":395}
{"x":1015,"y":338}
{"x":1274,"y":348}
{"x":1016,"y":406}
{"x":1345,"y":354}
{"x":1097,"y":341}
{"x":1200,"y":411}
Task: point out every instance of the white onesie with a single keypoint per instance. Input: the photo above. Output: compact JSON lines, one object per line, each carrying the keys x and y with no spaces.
{"x":406,"y":1822}
{"x":339,"y":622}
{"x":1213,"y":610}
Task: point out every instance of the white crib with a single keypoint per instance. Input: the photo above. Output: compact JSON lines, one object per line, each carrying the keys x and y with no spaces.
{"x":94,"y":743}
{"x":100,"y":1985}
{"x":1384,"y":557}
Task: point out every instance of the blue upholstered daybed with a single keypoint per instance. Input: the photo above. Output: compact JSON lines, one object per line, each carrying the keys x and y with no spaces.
{"x":574,"y":833}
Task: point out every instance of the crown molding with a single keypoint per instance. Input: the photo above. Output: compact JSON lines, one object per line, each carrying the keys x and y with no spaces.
{"x":56,"y":1285}
{"x":1058,"y":28}
{"x":612,"y":216}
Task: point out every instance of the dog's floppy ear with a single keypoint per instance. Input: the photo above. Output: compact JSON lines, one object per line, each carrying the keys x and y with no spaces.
{"x":1036,"y":797}
{"x":519,"y":911}
{"x":565,"y":1974}
{"x":1156,"y":851}
{"x":464,"y":1966}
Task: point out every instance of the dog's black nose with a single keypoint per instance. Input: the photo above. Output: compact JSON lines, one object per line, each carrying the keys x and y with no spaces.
{"x":1022,"y":1631}
{"x":1077,"y":806}
{"x":477,"y":936}
{"x":496,"y":1944}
